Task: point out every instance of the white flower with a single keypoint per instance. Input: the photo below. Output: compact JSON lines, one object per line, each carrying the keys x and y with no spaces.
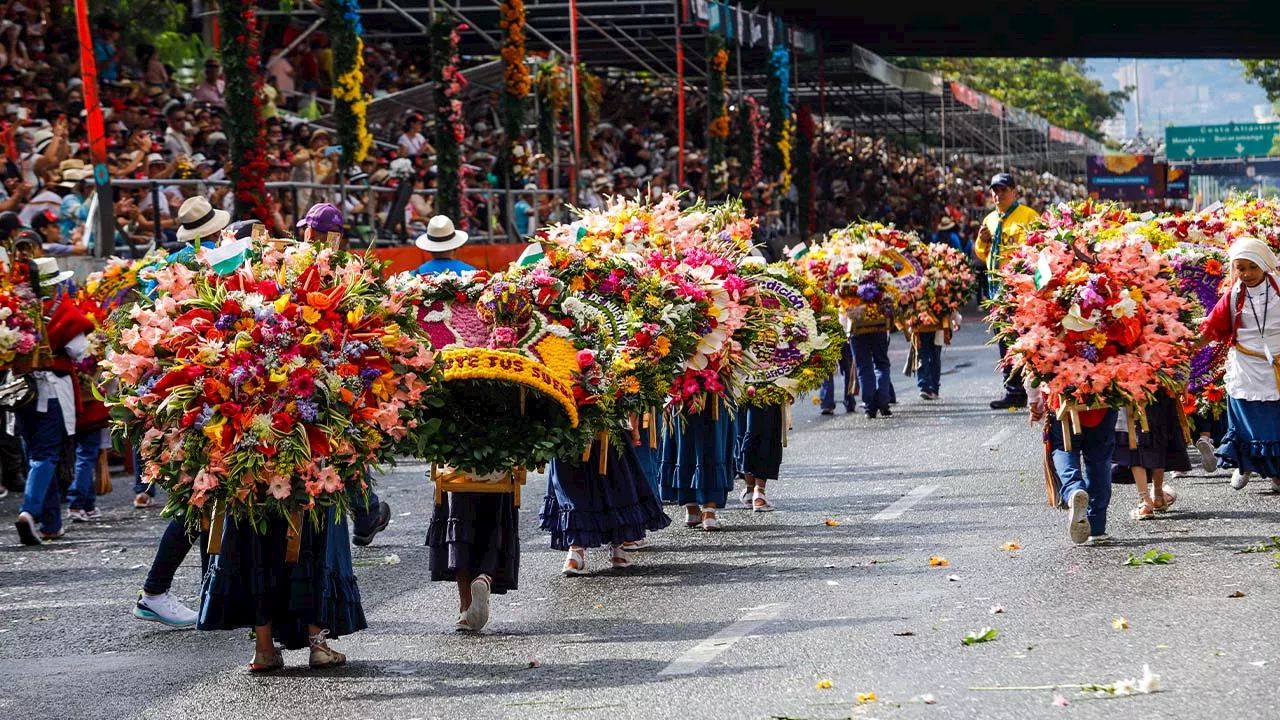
{"x":1075,"y":322}
{"x":1150,"y":681}
{"x":1127,"y":307}
{"x":439,"y":316}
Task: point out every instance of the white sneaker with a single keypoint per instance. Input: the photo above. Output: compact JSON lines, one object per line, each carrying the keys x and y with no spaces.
{"x":1103,"y":539}
{"x":477,"y":614}
{"x":1208,"y":460}
{"x":78,"y":515}
{"x":1240,"y":479}
{"x":165,"y":609}
{"x":1078,"y":518}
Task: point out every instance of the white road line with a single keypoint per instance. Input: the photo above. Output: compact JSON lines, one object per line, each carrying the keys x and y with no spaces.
{"x":905,"y":503}
{"x":995,"y":440}
{"x":704,"y":652}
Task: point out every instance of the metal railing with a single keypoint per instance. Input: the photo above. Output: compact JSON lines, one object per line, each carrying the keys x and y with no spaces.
{"x":373,"y":227}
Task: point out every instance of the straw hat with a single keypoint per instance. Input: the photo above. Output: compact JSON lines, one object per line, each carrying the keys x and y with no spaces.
{"x":50,"y":273}
{"x":197,"y":219}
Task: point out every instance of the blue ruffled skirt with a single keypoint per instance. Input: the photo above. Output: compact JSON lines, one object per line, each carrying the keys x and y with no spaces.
{"x":249,"y":583}
{"x":1252,"y":442}
{"x":760,"y":442}
{"x":476,"y":533}
{"x":586,"y":509}
{"x":698,"y":459}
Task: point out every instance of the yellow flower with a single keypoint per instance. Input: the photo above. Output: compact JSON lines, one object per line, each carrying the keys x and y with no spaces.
{"x":714,"y":311}
{"x":213,"y":428}
{"x":355,"y":316}
{"x":282,"y":302}
{"x":310,"y":315}
{"x":1078,"y":275}
{"x":1098,"y":340}
{"x":630,"y":385}
{"x":824,"y":685}
{"x":662,"y":345}
{"x":938,"y":561}
{"x":577,"y":284}
{"x":391,"y":333}
{"x":653,"y":301}
{"x":279,"y":376}
{"x":866,"y":697}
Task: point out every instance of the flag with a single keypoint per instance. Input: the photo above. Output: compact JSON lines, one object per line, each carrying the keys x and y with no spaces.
{"x":1044,"y":273}
{"x":532,"y":254}
{"x":797,"y":252}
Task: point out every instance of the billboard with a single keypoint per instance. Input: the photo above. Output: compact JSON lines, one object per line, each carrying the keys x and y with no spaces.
{"x":1123,"y":177}
{"x":1177,"y":185}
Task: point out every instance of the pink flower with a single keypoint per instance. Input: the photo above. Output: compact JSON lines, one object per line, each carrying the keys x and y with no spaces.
{"x":586,"y":358}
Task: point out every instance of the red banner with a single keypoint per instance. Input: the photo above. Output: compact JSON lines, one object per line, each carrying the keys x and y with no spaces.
{"x":89,"y":75}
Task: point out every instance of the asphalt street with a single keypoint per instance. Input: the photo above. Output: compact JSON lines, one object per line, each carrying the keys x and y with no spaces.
{"x":792,"y":614}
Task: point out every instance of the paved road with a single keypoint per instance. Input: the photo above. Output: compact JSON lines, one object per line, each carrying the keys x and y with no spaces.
{"x":742,"y":624}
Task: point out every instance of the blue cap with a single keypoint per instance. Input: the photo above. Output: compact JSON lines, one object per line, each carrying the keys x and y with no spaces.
{"x":1002,"y":180}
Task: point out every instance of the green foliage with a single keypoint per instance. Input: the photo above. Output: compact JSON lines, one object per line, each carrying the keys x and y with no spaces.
{"x":448,"y":155}
{"x":980,"y":636}
{"x":1265,"y":74}
{"x":1268,"y":545}
{"x":346,"y":54}
{"x":1057,"y":90}
{"x":715,"y":109}
{"x":1151,"y":557}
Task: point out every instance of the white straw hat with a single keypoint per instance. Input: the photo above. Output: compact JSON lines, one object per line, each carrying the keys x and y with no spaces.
{"x":441,"y":236}
{"x":197,"y":219}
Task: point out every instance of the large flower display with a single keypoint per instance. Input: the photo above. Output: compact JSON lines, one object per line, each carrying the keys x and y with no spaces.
{"x":800,"y":344}
{"x":1095,"y":324}
{"x":1200,"y":276}
{"x":269,"y":390}
{"x":869,"y":267}
{"x":21,"y":322}
{"x":948,"y":284}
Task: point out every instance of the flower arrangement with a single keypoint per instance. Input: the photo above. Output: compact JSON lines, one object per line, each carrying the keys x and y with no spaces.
{"x":779,"y":101}
{"x":750,"y":128}
{"x":552,"y":87}
{"x":271,"y":389}
{"x":801,"y":342}
{"x":245,"y":128}
{"x":948,"y":283}
{"x":1200,"y":277}
{"x":450,"y":131}
{"x":19,"y":333}
{"x":501,"y":337}
{"x":516,"y":83}
{"x":1095,"y":324}
{"x":350,"y":101}
{"x":870,"y":267}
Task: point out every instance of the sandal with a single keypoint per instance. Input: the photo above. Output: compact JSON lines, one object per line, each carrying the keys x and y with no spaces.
{"x":477,"y":614}
{"x":761,"y":504}
{"x":745,"y":497}
{"x":619,"y":557}
{"x":575,"y":563}
{"x":634,"y":545}
{"x":709,"y":521}
{"x":1169,"y":497}
{"x":1143,"y":512}
{"x":266,"y":663}
{"x":323,"y":656}
{"x":462,"y":625}
{"x":692,"y":516}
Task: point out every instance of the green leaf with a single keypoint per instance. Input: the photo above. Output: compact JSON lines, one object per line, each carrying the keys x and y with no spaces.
{"x":980,"y":636}
{"x":1150,"y":557}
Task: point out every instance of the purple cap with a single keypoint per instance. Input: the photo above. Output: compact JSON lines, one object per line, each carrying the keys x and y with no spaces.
{"x":323,"y":218}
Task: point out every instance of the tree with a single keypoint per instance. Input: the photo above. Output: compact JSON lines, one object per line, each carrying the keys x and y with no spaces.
{"x":1265,"y":74}
{"x":1057,"y":90}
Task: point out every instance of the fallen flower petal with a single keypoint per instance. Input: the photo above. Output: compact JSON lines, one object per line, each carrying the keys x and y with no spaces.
{"x":996,"y":609}
{"x":1059,"y":701}
{"x":1120,"y":624}
{"x":1011,"y":546}
{"x":824,"y":685}
{"x":866,"y":697}
{"x":832,"y":523}
{"x":938,"y":561}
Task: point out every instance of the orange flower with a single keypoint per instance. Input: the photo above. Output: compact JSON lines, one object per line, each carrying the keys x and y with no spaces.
{"x":1212,"y":267}
{"x":719,"y":127}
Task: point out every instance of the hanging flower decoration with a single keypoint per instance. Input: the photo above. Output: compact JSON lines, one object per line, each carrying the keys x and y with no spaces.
{"x":803,"y":155}
{"x":245,"y":128}
{"x":350,"y":101}
{"x":750,"y":130}
{"x":718,"y":127}
{"x":271,"y":389}
{"x":552,"y":86}
{"x":777,"y":159}
{"x":449,"y":129}
{"x":516,"y":83}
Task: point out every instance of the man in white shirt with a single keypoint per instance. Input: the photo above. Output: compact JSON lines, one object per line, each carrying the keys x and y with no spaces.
{"x":210,"y":91}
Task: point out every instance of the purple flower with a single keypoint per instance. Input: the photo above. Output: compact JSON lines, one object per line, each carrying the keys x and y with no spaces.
{"x":307,"y":411}
{"x":869,"y":291}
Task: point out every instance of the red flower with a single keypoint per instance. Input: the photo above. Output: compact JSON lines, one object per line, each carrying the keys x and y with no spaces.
{"x":318,"y":441}
{"x":282,"y":423}
{"x":230,"y":410}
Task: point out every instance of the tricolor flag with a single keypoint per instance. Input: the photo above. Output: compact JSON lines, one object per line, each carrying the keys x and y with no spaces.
{"x":797,"y":252}
{"x":532,"y":254}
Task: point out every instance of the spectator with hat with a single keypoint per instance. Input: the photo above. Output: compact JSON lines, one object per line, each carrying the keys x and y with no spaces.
{"x":46,"y":226}
{"x":412,"y":142}
{"x":320,"y":220}
{"x":46,"y":422}
{"x":441,"y":241}
{"x":947,"y":234}
{"x":198,"y":221}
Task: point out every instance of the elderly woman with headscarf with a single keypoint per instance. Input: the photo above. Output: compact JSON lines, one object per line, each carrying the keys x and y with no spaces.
{"x":1242,"y":319}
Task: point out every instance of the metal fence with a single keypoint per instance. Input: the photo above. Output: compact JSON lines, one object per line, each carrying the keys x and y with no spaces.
{"x":370,"y":227}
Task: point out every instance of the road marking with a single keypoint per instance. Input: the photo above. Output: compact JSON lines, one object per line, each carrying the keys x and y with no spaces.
{"x":704,"y":652}
{"x":905,"y":503}
{"x":59,"y":604}
{"x":995,"y":440}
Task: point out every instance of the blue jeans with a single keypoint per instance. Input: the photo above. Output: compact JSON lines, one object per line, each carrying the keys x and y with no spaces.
{"x":871,"y":356}
{"x":829,"y":385}
{"x":929,"y":374}
{"x":140,"y":487}
{"x":81,"y":496}
{"x":43,"y":433}
{"x":364,"y":515}
{"x":1087,"y":466}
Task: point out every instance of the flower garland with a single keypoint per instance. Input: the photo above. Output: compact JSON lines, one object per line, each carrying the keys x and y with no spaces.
{"x":273,"y":388}
{"x":718,"y":127}
{"x":516,"y":81}
{"x":804,"y":171}
{"x":350,"y":100}
{"x":802,"y":341}
{"x":450,"y":131}
{"x":777,"y":151}
{"x":245,"y":128}
{"x":591,"y":93}
{"x":1093,"y":323}
{"x":784,"y":150}
{"x":552,"y":87}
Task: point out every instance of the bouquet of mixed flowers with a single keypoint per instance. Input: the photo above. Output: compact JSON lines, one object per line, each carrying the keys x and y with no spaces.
{"x":1223,"y":222}
{"x":800,"y":344}
{"x":1096,"y":324}
{"x":869,"y":276}
{"x":1200,"y":277}
{"x":21,"y":318}
{"x":513,"y":359}
{"x":948,"y":284}
{"x":269,"y":389}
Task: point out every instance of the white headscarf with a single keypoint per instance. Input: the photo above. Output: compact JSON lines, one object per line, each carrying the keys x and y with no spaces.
{"x":1254,"y":250}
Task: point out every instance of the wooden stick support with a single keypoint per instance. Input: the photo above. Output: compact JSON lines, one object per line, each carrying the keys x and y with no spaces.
{"x":522,"y":400}
{"x":784,"y":426}
{"x":215,"y":527}
{"x":1133,"y":436}
{"x":1183,"y":422}
{"x":294,"y":537}
{"x":604,"y":453}
{"x":715,"y":410}
{"x":652,"y":419}
{"x":439,"y":492}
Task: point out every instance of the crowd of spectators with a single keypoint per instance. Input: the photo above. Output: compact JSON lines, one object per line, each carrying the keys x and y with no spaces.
{"x":165,"y":134}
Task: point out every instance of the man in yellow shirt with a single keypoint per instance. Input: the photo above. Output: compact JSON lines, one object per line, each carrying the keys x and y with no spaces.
{"x":1003,"y":230}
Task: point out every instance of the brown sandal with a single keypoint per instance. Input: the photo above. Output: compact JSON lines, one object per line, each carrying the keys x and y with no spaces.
{"x":266,"y":663}
{"x":1169,"y":497}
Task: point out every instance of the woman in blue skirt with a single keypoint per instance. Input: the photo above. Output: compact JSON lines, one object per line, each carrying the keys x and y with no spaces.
{"x":1247,"y":318}
{"x":760,"y":452}
{"x":300,"y":605}
{"x":585,"y":508}
{"x":697,"y":463}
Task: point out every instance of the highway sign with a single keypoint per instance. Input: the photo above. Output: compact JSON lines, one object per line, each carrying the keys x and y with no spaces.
{"x":1194,"y":142}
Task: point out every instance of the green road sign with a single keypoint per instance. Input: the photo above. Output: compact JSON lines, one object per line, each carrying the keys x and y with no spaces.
{"x":1192,"y":142}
